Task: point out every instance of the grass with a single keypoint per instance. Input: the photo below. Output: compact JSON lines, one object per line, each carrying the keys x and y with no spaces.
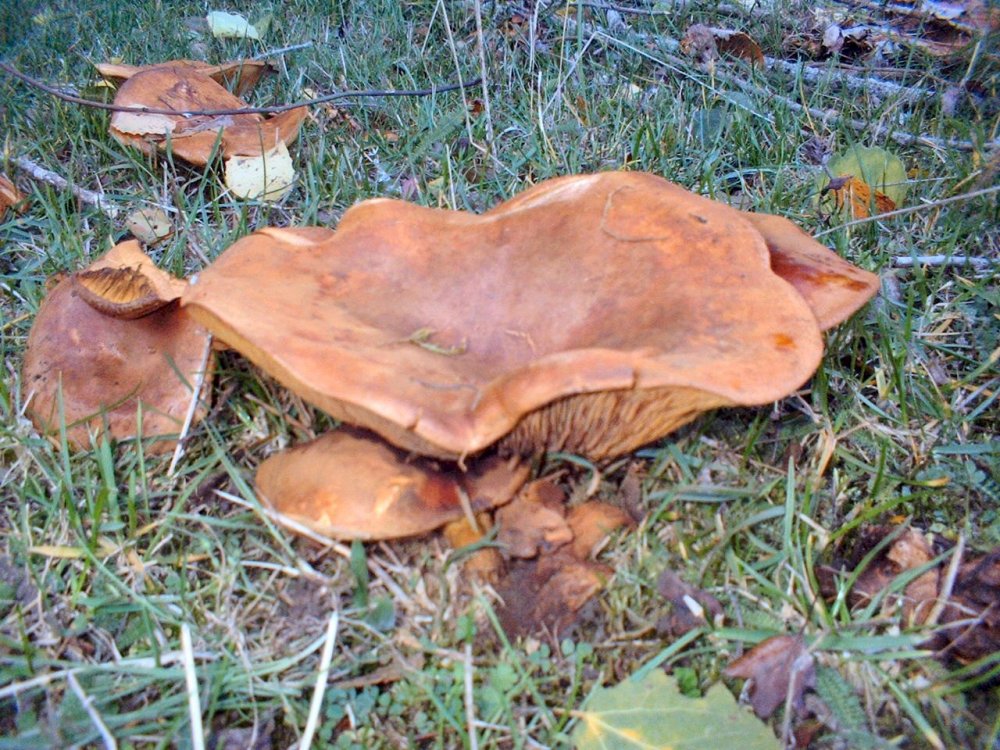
{"x":105,"y":559}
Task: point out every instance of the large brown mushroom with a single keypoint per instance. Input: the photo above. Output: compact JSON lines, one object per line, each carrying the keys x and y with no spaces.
{"x":93,"y":370}
{"x":592,"y":313}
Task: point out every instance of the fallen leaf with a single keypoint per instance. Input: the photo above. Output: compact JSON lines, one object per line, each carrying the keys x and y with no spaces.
{"x":779,"y":667}
{"x":225,"y":25}
{"x":854,"y":197}
{"x":592,"y":523}
{"x":149,"y":225}
{"x":10,"y":196}
{"x":687,"y":607}
{"x":546,"y":594}
{"x":864,"y":178}
{"x":268,"y":177}
{"x":652,"y":713}
{"x":535,"y":521}
{"x":706,"y":43}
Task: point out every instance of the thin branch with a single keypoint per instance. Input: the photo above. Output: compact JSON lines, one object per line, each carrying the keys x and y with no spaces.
{"x":909,"y":261}
{"x":40,"y":173}
{"x":88,"y":705}
{"x":275,"y":109}
{"x":912,"y":209}
{"x":281,"y":50}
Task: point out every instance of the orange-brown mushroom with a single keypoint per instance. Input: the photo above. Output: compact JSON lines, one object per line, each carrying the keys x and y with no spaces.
{"x":102,"y":367}
{"x":239,"y":75}
{"x":350,"y":485}
{"x":182,"y":88}
{"x":592,"y":313}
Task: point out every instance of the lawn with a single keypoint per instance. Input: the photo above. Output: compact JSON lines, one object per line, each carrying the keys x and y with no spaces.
{"x":128,"y":592}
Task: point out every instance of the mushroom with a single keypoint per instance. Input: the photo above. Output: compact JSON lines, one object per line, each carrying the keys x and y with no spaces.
{"x":181,"y":87}
{"x":125,"y":283}
{"x":92,"y":370}
{"x":349,"y":485}
{"x":241,"y":75}
{"x":592,"y":314}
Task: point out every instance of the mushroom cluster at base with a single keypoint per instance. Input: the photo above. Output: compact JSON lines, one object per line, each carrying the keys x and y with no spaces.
{"x":592,"y":314}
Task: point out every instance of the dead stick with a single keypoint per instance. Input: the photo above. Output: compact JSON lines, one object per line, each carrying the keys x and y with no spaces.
{"x":40,"y":173}
{"x":909,"y":261}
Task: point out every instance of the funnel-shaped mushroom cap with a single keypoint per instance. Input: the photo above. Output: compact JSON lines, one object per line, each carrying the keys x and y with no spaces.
{"x":104,"y":366}
{"x":242,"y":75}
{"x":833,"y":288}
{"x":594,"y":313}
{"x":350,"y":485}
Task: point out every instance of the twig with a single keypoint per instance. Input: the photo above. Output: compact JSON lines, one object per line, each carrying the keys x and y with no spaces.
{"x":40,"y":173}
{"x":470,"y":698}
{"x":275,"y":109}
{"x":281,"y":50}
{"x":911,"y":209}
{"x":191,"y":683}
{"x":909,"y":261}
{"x":319,"y":690}
{"x":199,"y":383}
{"x":948,"y":586}
{"x":95,"y":718}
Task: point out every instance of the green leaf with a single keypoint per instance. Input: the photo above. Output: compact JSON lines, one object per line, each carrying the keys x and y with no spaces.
{"x":652,"y":714}
{"x":876,"y":167}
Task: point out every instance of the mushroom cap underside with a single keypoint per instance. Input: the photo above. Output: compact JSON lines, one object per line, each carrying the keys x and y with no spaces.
{"x":443,"y":330}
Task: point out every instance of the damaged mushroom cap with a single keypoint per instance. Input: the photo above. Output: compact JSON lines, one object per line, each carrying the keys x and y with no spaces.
{"x":348,"y":484}
{"x":240,"y":75}
{"x":193,"y":139}
{"x":125,"y":283}
{"x":593,"y":315}
{"x":103,"y":367}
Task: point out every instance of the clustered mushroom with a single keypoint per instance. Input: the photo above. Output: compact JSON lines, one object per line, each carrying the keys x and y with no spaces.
{"x":593,"y":314}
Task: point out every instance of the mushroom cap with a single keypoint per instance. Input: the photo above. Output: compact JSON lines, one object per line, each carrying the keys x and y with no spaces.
{"x":243,"y":75}
{"x":104,"y":366}
{"x":180,"y":87}
{"x":833,"y":288}
{"x":592,"y":313}
{"x":348,"y":484}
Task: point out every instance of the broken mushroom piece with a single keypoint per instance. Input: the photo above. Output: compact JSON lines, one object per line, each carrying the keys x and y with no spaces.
{"x":592,"y":314}
{"x":93,"y":370}
{"x":125,"y":283}
{"x":349,"y":484}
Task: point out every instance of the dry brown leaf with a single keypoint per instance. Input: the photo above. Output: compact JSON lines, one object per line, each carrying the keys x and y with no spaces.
{"x":779,"y":667}
{"x":592,"y":523}
{"x":855,"y":195}
{"x":706,"y":43}
{"x":546,"y":594}
{"x":10,"y":196}
{"x":687,"y":607}
{"x":125,"y":283}
{"x":535,"y":521}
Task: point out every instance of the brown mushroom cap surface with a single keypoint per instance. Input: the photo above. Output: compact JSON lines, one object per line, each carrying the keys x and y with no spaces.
{"x":592,"y":313}
{"x":348,"y":484}
{"x":105,"y":366}
{"x":183,"y":88}
{"x":242,"y":75}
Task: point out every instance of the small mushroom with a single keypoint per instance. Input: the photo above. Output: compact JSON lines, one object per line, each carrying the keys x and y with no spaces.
{"x":592,"y":313}
{"x":349,"y":484}
{"x":101,"y":368}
